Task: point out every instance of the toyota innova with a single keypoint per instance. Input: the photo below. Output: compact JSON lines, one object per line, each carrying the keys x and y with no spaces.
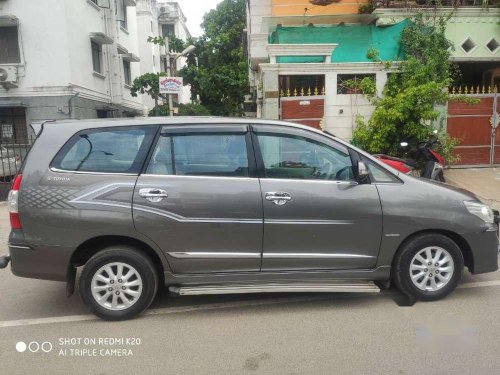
{"x":219,"y":206}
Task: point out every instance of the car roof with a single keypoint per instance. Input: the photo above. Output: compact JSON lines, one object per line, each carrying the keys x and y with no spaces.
{"x":165,"y":121}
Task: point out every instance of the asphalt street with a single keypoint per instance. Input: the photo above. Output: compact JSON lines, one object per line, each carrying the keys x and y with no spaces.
{"x":261,"y":334}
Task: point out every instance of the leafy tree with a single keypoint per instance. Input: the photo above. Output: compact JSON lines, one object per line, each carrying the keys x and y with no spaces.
{"x":407,"y":109}
{"x":193,"y":109}
{"x":217,"y":69}
{"x":148,"y":84}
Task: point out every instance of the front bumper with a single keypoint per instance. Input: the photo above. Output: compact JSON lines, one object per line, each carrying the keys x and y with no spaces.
{"x":485,"y":247}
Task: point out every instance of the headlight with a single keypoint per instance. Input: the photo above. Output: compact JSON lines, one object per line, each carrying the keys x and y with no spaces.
{"x":482,"y":211}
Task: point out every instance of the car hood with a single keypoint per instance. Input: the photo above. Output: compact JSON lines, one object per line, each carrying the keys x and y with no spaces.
{"x":442,"y":187}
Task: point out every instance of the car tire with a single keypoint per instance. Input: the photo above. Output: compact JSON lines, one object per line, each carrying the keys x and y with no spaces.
{"x":132,"y":283}
{"x":440,"y":177}
{"x":413,"y":275}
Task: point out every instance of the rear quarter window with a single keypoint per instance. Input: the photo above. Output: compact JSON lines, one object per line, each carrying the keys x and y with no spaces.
{"x":108,"y":150}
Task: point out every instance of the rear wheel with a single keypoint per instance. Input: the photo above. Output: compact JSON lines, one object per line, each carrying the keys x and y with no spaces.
{"x":428,"y":267}
{"x":118,"y":283}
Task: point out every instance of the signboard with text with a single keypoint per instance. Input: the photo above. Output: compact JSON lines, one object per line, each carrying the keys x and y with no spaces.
{"x":171,"y":85}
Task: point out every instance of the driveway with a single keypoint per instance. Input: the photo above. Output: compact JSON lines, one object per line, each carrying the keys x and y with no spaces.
{"x":485,"y":182}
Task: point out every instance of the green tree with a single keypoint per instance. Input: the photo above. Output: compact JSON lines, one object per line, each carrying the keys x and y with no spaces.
{"x":148,"y":84}
{"x":217,"y":70}
{"x":407,"y":109}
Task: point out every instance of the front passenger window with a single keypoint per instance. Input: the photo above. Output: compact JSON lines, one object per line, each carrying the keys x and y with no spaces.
{"x":288,"y":157}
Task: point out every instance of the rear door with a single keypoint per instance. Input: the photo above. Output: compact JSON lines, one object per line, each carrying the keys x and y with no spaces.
{"x":315,"y":215}
{"x":200,"y":201}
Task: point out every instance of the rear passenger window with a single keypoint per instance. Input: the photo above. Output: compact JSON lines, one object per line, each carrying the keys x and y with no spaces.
{"x":200,"y":155}
{"x":110,"y":150}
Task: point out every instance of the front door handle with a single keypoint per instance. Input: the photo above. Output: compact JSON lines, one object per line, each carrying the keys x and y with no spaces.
{"x":278,"y":198}
{"x":153,"y":195}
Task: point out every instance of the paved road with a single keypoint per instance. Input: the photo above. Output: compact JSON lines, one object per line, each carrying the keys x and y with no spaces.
{"x":264,"y":334}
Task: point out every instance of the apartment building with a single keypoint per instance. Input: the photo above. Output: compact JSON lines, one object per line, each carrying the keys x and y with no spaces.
{"x":172,"y":21}
{"x":63,"y":59}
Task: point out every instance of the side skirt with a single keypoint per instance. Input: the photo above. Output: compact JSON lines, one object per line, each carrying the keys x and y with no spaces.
{"x":377,"y":274}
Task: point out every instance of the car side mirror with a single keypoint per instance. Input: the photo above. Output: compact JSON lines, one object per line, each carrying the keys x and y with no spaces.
{"x":363,"y":172}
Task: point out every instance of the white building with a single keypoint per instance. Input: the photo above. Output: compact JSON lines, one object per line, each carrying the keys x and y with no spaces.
{"x":63,"y":59}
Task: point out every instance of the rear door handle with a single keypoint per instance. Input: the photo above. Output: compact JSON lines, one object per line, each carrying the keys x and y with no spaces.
{"x":153,"y":195}
{"x":278,"y":198}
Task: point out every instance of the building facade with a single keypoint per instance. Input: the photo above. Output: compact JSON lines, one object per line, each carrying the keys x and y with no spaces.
{"x":62,"y":59}
{"x":172,"y":21}
{"x":304,"y":55}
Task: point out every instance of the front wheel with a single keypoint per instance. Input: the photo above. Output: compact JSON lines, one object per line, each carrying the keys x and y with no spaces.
{"x":428,"y":267}
{"x":118,"y":283}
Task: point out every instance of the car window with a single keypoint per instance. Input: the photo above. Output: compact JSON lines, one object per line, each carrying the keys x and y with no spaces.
{"x":110,"y":150}
{"x":201,"y":155}
{"x":161,"y":159}
{"x":378,"y":174}
{"x":301,"y":158}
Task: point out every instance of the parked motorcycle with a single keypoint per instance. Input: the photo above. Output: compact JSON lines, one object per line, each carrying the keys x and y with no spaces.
{"x":424,"y":161}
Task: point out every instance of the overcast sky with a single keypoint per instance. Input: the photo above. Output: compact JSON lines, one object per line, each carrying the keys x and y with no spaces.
{"x":194,"y":11}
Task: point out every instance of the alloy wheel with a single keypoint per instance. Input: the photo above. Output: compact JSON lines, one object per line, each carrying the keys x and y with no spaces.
{"x":431,"y":268}
{"x":116,"y":286}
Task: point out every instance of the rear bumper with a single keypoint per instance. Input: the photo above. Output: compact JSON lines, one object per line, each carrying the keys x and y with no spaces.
{"x":485,"y":247}
{"x":47,"y":263}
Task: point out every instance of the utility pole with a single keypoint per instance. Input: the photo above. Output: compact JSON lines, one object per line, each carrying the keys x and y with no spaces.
{"x":169,"y":74}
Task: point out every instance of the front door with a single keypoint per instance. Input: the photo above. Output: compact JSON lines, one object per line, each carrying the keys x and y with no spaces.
{"x":315,"y":215}
{"x":199,"y":200}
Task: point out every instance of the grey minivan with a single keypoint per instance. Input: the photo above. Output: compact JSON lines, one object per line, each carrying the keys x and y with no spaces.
{"x":215,"y":206}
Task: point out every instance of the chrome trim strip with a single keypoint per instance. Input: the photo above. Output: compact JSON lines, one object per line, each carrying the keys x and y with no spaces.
{"x":57,"y":170}
{"x":314,"y":255}
{"x":194,"y":177}
{"x":212,"y":255}
{"x":336,"y":182}
{"x":19,"y":247}
{"x":345,"y":286}
{"x":316,"y":222}
{"x":183,"y":219}
{"x":392,"y":235}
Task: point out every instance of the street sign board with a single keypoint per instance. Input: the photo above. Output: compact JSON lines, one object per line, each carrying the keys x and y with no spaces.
{"x":171,"y":85}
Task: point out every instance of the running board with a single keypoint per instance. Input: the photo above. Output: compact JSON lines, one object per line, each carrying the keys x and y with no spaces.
{"x":341,"y":286}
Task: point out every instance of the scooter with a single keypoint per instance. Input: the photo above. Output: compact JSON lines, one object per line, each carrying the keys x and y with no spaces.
{"x":431,"y":162}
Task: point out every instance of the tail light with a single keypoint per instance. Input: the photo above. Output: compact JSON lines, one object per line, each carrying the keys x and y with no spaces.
{"x":15,"y":222}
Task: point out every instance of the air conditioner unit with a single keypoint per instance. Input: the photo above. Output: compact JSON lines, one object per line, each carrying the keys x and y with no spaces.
{"x":8,"y":76}
{"x":165,"y":10}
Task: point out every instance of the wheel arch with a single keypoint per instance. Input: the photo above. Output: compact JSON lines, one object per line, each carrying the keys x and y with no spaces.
{"x":464,"y":246}
{"x":92,"y":246}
